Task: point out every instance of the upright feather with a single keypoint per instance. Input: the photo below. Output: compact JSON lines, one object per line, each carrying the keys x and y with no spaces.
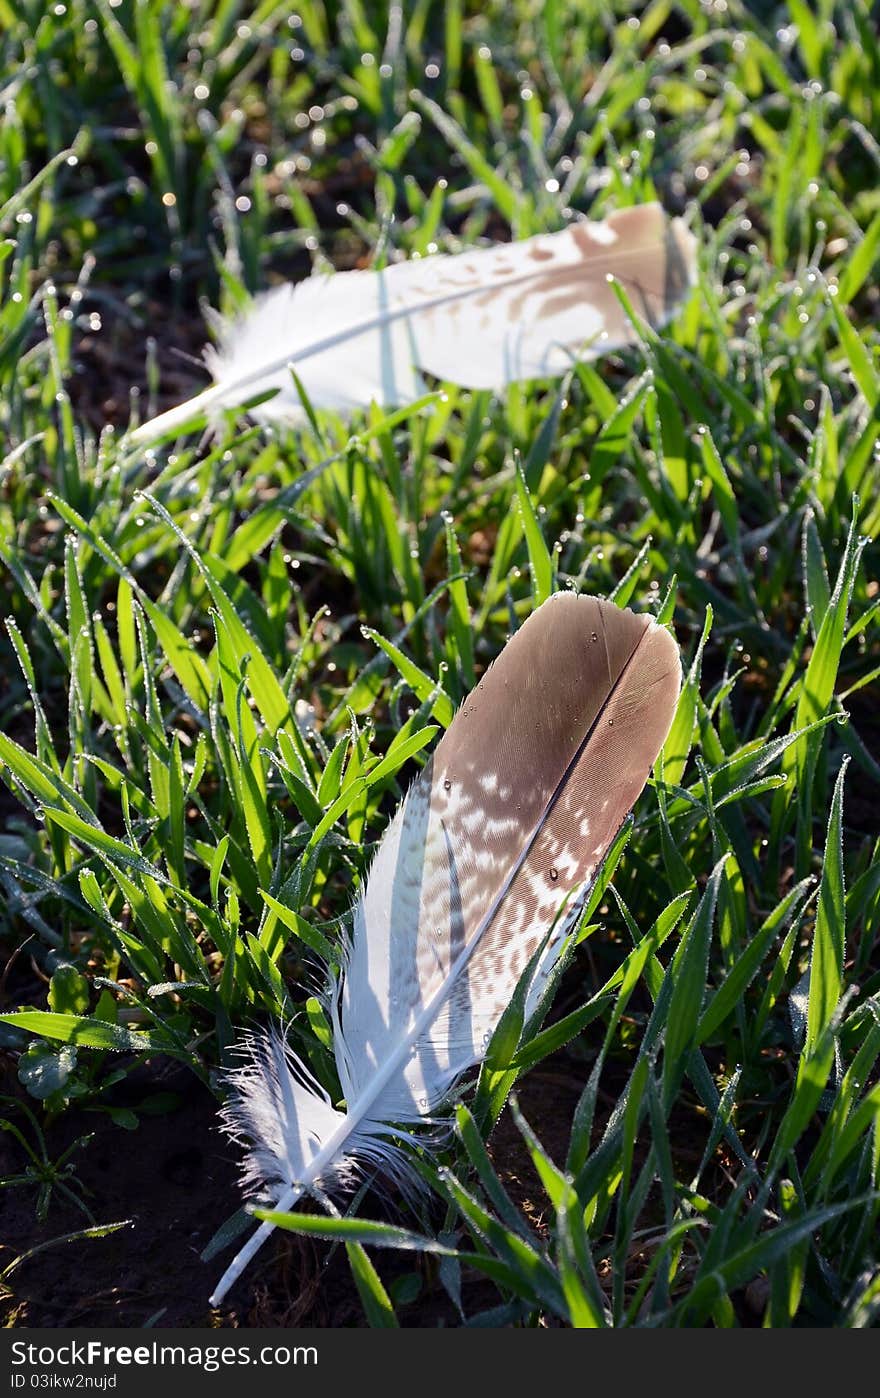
{"x":482,"y":318}
{"x":506,"y":825}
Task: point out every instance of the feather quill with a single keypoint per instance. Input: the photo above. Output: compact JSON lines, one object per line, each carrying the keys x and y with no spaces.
{"x":483,"y":319}
{"x":507,"y":823}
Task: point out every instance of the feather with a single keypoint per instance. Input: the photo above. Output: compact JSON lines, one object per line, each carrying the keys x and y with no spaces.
{"x":507,"y":823}
{"x":482,"y":319}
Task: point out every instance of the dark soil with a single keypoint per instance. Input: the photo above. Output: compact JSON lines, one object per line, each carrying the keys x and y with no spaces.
{"x":174,"y":1180}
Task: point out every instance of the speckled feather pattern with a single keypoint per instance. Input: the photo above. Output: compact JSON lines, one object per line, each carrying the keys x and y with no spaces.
{"x":505,"y":827}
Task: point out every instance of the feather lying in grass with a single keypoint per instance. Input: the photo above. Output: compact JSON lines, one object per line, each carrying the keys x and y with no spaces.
{"x":507,"y":823}
{"x":483,"y":319}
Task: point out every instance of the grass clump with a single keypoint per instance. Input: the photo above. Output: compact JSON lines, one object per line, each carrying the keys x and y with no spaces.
{"x":222,"y":665}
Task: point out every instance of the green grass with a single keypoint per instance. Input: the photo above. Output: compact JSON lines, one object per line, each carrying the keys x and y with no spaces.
{"x":183,"y":838}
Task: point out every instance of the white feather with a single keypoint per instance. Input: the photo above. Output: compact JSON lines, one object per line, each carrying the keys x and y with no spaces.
{"x":483,"y":318}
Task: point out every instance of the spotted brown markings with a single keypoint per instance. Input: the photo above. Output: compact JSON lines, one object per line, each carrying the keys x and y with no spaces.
{"x":504,"y":828}
{"x":539,"y":303}
{"x":562,"y":288}
{"x":514,"y":761}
